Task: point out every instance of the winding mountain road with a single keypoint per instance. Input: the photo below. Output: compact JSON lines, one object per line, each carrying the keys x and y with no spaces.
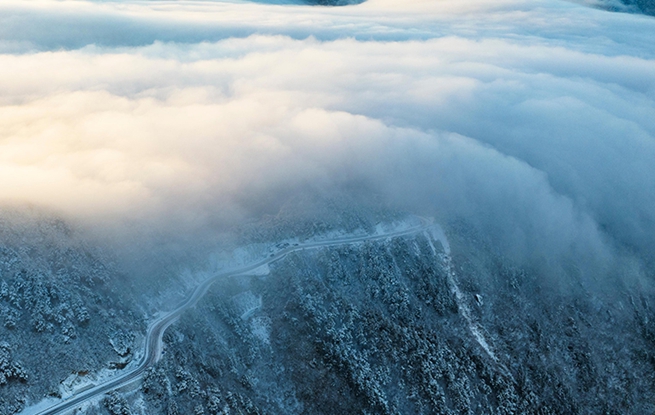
{"x":154,"y":343}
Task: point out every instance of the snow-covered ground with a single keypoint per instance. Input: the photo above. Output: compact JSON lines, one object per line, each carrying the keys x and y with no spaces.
{"x":245,"y":303}
{"x":436,"y":234}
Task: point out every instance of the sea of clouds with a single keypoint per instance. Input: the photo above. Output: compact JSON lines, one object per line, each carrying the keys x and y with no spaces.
{"x":534,"y":120}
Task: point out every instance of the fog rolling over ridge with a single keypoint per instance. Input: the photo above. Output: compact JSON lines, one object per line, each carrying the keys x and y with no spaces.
{"x":541,"y":132}
{"x":176,"y":128}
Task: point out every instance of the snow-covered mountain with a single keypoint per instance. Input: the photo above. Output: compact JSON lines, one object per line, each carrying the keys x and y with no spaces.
{"x":280,"y":206}
{"x":66,"y":312}
{"x":435,"y":320}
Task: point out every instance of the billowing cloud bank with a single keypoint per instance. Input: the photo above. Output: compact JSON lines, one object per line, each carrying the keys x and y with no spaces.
{"x":535,"y":120}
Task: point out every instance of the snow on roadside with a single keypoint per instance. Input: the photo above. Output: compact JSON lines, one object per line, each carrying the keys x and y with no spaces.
{"x":240,"y":257}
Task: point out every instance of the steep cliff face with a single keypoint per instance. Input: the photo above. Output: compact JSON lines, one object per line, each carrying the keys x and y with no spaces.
{"x":406,"y":326}
{"x":64,"y":311}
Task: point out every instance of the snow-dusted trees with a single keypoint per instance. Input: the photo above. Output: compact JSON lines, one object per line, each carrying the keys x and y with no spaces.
{"x":58,"y":302}
{"x":9,"y":369}
{"x":116,"y":405}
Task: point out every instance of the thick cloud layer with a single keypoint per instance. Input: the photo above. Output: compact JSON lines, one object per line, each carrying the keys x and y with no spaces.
{"x":534,"y":120}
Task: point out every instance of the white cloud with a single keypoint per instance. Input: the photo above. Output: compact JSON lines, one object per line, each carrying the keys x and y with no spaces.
{"x":533,"y":119}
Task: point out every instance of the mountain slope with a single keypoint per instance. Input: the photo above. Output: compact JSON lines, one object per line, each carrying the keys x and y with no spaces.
{"x":399,"y":327}
{"x":64,"y":311}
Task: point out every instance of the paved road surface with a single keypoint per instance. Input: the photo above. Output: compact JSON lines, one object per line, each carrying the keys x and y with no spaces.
{"x":153,"y":346}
